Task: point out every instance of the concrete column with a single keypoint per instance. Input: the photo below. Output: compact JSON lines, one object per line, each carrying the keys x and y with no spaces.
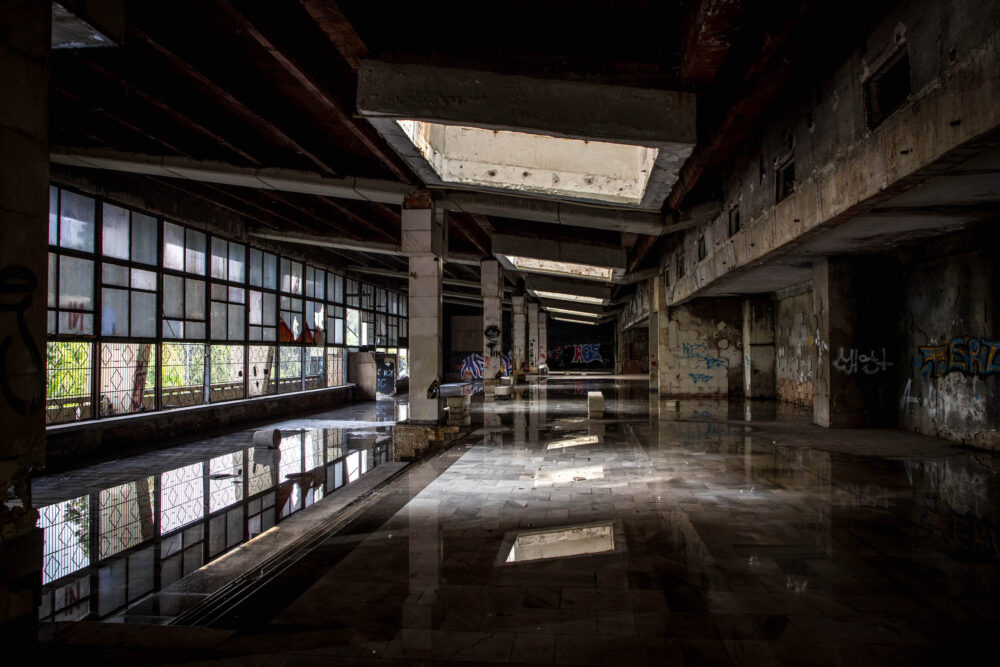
{"x":518,"y":331}
{"x":531,"y":353}
{"x":654,"y":333}
{"x":857,"y":342}
{"x":25,"y":38}
{"x":543,"y":339}
{"x":662,"y":338}
{"x":423,"y":242}
{"x":491,"y":277}
{"x":758,"y":349}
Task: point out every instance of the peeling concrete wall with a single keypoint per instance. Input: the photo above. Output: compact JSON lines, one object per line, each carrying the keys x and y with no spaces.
{"x":25,"y":31}
{"x":795,"y":349}
{"x":951,"y":386}
{"x":840,"y":163}
{"x":703,"y":355}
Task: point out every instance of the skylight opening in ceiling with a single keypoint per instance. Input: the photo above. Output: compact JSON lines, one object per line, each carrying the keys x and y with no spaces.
{"x":538,"y":163}
{"x":562,"y":296}
{"x":547,"y":266}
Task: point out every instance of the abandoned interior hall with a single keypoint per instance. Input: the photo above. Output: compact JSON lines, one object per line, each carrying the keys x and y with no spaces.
{"x":592,"y":332}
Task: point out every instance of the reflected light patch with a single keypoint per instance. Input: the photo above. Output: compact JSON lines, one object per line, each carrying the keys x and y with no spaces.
{"x":574,"y":442}
{"x":568,"y":475}
{"x":548,"y":266}
{"x":562,"y":296}
{"x":562,"y":542}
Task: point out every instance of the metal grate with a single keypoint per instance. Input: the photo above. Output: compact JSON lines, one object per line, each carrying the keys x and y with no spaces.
{"x":126,"y":516}
{"x":66,"y":527}
{"x":128,"y":378}
{"x":226,"y":373}
{"x":68,"y":382}
{"x":183,"y":372}
{"x":262,"y":379}
{"x":183,"y":493}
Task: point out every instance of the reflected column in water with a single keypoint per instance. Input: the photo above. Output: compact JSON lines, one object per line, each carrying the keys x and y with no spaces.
{"x":520,"y":423}
{"x":422,"y":608}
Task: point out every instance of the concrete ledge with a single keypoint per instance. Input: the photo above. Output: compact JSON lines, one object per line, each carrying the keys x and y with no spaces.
{"x":70,"y":443}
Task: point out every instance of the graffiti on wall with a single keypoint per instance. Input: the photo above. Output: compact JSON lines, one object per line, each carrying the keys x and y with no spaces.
{"x":472,"y":366}
{"x":576,"y":353}
{"x":17,"y":289}
{"x":699,"y":351}
{"x":967,"y":355}
{"x":851,"y":362}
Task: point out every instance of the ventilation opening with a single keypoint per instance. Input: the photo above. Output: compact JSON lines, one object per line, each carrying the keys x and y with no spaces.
{"x":701,"y":249}
{"x":888,"y":88}
{"x":784,"y":182}
{"x":734,"y":220}
{"x":680,"y":263}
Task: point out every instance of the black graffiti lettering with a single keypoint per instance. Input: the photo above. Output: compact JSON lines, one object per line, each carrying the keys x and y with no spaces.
{"x":19,"y":281}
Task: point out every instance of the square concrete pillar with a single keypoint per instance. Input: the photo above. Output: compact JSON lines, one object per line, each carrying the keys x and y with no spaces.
{"x":543,"y":339}
{"x":518,"y":330}
{"x":758,"y":348}
{"x":491,"y":277}
{"x":24,"y":192}
{"x":660,"y":338}
{"x":423,"y":242}
{"x":531,"y":353}
{"x":857,"y":342}
{"x":654,"y":332}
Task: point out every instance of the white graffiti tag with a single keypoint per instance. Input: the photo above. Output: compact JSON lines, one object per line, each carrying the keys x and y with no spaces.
{"x":850,"y":362}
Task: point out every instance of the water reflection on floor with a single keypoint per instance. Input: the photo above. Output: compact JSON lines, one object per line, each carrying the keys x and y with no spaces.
{"x":118,"y":531}
{"x":745,"y":537}
{"x":738,"y":533}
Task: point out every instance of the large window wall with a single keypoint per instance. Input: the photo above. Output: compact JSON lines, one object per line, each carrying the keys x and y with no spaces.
{"x":148,"y":314}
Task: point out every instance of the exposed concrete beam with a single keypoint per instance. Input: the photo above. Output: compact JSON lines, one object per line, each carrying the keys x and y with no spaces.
{"x":365,"y":189}
{"x":357,"y":246}
{"x":560,"y":251}
{"x":402,"y":275}
{"x":382,"y":191}
{"x":557,"y":213}
{"x":593,"y":308}
{"x":567,"y":286}
{"x":543,"y":106}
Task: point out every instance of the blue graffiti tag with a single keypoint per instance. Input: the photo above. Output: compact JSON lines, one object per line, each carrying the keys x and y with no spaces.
{"x":693,"y":350}
{"x":700,"y":377}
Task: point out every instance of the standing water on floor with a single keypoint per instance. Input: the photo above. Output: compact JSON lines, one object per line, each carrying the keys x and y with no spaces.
{"x":118,"y":531}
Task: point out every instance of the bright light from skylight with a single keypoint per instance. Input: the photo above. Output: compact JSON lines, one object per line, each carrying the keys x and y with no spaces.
{"x":562,"y":296}
{"x":533,"y":265}
{"x":602,"y":171}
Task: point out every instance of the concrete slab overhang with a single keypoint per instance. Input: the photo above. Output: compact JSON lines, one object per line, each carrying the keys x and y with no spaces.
{"x":365,"y":189}
{"x":560,"y":251}
{"x":553,"y":139}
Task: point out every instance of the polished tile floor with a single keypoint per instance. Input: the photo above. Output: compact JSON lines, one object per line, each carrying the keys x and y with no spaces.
{"x":707,"y":533}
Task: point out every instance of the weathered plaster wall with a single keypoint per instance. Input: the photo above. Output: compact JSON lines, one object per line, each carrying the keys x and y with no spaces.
{"x":703,"y":354}
{"x":795,"y":348}
{"x":951,"y":385}
{"x":842,"y":167}
{"x":24,"y":173}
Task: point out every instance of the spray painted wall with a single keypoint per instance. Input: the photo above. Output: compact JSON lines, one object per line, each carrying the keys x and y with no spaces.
{"x":704,"y":353}
{"x":951,"y":383}
{"x":795,"y":345}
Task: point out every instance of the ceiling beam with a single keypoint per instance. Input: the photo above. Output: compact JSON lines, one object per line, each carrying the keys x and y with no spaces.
{"x":228,"y":99}
{"x":315,"y":89}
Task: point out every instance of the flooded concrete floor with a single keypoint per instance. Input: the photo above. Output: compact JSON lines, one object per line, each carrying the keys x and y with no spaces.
{"x":709,"y":533}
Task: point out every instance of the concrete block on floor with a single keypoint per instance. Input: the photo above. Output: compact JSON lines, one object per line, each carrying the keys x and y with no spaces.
{"x":595,"y":404}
